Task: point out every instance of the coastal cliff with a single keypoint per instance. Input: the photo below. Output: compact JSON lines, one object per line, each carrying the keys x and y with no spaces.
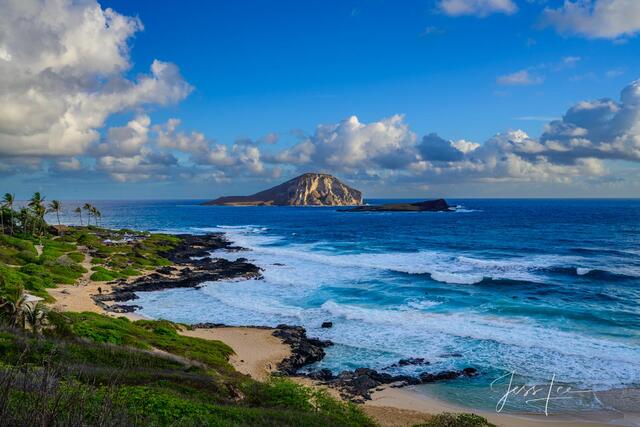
{"x":309,"y":189}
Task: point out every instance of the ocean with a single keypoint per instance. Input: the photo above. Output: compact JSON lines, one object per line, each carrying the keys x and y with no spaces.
{"x":546,"y":289}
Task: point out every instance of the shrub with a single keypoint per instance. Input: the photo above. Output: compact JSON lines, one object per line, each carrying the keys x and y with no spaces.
{"x":447,"y":419}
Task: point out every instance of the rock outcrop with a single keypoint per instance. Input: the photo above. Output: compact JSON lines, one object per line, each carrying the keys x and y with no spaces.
{"x":438,"y":205}
{"x":309,"y":189}
{"x":304,"y":350}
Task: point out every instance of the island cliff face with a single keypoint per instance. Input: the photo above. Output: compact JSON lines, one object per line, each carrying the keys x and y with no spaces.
{"x":309,"y":189}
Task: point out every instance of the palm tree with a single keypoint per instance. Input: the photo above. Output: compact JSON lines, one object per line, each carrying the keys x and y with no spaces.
{"x":96,"y":214}
{"x":87,"y":207}
{"x":33,"y":315}
{"x":24,"y":219}
{"x":7,"y":201}
{"x":36,"y":200}
{"x":36,"y":203}
{"x":11,"y":306}
{"x":78,"y":210}
{"x":55,"y":206}
{"x":40,"y":211}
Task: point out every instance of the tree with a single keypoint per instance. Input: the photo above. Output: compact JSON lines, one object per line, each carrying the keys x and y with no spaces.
{"x":42,"y":224}
{"x":96,"y":214}
{"x":87,"y":207}
{"x":54,"y":207}
{"x":24,"y":219}
{"x":11,"y":306}
{"x":78,"y":210}
{"x":33,"y":315}
{"x":36,"y":200}
{"x":7,"y":201}
{"x":36,"y":203}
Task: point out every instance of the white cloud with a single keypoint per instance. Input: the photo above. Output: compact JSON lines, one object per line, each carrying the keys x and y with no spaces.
{"x":354,"y":146}
{"x":616,"y":72}
{"x":573,"y":149}
{"x":431,"y":30}
{"x":519,"y":78}
{"x":570,"y":61}
{"x":479,"y":8}
{"x":127,"y":140}
{"x":70,"y":164}
{"x":595,"y":18}
{"x":603,"y":129}
{"x":61,"y":76}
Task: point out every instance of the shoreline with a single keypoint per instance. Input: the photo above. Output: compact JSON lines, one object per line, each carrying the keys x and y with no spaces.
{"x":259,"y":352}
{"x":408,"y":398}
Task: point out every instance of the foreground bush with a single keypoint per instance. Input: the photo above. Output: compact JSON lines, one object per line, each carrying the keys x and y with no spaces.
{"x":456,"y":420}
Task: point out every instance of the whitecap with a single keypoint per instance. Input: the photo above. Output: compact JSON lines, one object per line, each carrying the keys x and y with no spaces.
{"x":582,"y":271}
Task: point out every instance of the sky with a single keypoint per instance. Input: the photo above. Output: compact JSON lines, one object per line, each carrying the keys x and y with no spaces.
{"x":431,"y":98}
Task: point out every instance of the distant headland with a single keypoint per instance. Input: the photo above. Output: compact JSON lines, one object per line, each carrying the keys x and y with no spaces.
{"x":309,"y":189}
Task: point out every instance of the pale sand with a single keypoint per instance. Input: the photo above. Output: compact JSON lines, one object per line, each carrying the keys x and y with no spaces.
{"x":257,"y":351}
{"x":387,"y":401}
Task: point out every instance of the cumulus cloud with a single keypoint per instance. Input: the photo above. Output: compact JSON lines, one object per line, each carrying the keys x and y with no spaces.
{"x":352,"y":146}
{"x":436,"y":148}
{"x":575,"y":147}
{"x":603,"y":128}
{"x":479,"y":8}
{"x":62,"y":68}
{"x":519,"y":78}
{"x":607,"y":19}
{"x":242,"y":158}
{"x":126,"y":140}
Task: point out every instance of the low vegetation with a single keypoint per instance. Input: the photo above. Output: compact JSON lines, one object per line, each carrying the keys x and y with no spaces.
{"x":87,"y":369}
{"x":456,"y":420}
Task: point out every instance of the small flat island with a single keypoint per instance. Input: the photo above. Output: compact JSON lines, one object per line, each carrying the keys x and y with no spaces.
{"x":438,"y":205}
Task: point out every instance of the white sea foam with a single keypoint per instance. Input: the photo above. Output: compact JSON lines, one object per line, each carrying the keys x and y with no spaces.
{"x":411,"y":330}
{"x":460,"y":279}
{"x":582,"y":271}
{"x":442,"y":266}
{"x":421,"y":304}
{"x":297,"y":274}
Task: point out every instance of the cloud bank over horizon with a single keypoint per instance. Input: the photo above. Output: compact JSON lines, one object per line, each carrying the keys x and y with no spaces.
{"x":64,"y":73}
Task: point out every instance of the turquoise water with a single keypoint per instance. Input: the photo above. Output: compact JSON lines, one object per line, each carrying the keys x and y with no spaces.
{"x":544,"y":288}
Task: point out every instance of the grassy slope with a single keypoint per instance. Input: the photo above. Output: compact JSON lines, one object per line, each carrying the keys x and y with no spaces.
{"x":94,"y":369}
{"x":61,"y":258}
{"x":110,"y":360}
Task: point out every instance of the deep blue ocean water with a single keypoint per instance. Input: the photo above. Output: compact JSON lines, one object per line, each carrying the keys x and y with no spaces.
{"x":539,"y":287}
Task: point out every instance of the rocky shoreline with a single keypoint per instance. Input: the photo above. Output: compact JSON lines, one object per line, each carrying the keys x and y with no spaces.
{"x":355,"y":385}
{"x":193,"y":266}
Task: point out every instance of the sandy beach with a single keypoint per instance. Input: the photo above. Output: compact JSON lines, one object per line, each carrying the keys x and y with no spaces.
{"x":410,"y":400}
{"x":257,"y":351}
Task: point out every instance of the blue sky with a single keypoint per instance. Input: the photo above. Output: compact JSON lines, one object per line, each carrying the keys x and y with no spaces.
{"x":264,"y":66}
{"x":463,"y":69}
